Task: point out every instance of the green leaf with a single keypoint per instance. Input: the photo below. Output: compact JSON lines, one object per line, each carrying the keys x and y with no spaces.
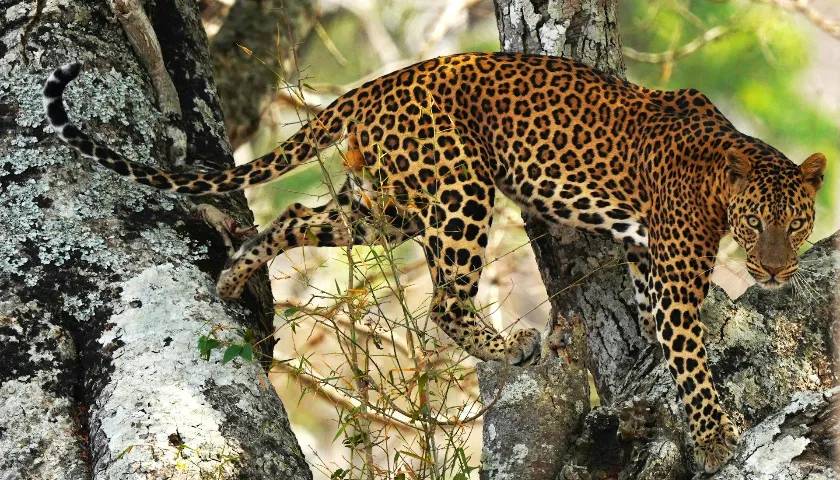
{"x":248,"y":335}
{"x":290,"y":311}
{"x":414,"y":455}
{"x":231,"y":352}
{"x":206,"y":345}
{"x":352,"y":441}
{"x":423,"y":380}
{"x":247,"y":353}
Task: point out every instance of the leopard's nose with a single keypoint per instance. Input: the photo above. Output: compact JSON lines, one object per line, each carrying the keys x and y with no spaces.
{"x":771,"y":269}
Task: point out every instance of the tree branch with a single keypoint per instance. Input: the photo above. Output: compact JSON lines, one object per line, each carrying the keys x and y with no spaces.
{"x":706,"y":38}
{"x":763,"y":348}
{"x":105,"y":285}
{"x":828,"y":25}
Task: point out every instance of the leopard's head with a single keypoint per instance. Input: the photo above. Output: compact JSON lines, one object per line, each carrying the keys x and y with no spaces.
{"x":771,"y":211}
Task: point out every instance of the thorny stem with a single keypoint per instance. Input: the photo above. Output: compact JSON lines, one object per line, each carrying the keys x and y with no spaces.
{"x":360,"y":374}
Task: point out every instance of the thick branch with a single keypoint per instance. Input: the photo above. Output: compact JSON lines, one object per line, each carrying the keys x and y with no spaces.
{"x":530,"y":445}
{"x":775,"y":362}
{"x":763,"y":348}
{"x":105,"y":286}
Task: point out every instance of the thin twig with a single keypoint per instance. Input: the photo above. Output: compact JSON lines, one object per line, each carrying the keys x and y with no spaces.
{"x":828,"y":25}
{"x":331,"y":394}
{"x":706,"y":38}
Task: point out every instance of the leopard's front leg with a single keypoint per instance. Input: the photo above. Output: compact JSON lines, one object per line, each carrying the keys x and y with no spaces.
{"x":638,"y":264}
{"x":676,"y":294}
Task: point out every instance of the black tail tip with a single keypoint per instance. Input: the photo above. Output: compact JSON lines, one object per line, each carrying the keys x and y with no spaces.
{"x":68,"y":72}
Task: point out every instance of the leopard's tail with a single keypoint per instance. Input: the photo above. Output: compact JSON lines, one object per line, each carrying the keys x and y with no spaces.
{"x":325,"y":129}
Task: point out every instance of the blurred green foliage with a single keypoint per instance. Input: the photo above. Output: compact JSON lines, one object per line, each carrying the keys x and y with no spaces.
{"x":752,"y":73}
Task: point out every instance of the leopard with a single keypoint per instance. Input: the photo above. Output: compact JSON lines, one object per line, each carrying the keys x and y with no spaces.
{"x":430,"y":146}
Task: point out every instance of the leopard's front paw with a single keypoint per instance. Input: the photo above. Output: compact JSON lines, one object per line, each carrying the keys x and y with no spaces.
{"x":523,"y":347}
{"x":716,"y":446}
{"x":231,"y":283}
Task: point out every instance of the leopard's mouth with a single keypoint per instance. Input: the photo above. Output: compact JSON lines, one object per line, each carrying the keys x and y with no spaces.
{"x":772,"y":283}
{"x":771,"y":280}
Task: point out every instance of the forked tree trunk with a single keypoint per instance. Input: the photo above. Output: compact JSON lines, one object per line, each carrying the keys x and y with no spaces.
{"x":105,"y":286}
{"x":772,"y":352}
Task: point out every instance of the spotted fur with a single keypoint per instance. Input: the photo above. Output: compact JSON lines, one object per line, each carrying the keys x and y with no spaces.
{"x":432,"y":144}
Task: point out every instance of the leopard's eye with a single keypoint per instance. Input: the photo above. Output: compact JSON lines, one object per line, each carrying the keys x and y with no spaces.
{"x":754,"y":222}
{"x":796,"y":224}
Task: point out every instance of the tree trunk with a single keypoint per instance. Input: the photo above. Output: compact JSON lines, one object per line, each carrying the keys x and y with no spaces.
{"x":105,"y":285}
{"x":602,"y":297}
{"x":271,"y":29}
{"x":764,"y":348}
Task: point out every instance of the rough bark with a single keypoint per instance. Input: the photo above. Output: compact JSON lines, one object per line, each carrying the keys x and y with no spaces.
{"x":771,"y":351}
{"x":105,"y":285}
{"x":518,"y":446}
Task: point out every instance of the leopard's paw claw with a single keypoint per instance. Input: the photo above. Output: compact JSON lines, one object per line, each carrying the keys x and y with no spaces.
{"x":523,"y":347}
{"x":717,"y":448}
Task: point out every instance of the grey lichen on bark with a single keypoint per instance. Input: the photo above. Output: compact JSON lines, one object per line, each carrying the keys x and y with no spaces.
{"x":529,"y":446}
{"x":105,"y":286}
{"x":798,"y":442}
{"x":141,"y":35}
{"x":584,"y":30}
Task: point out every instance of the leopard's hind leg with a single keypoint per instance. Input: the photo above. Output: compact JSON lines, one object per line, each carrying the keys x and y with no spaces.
{"x":454,"y":244}
{"x":344,"y":221}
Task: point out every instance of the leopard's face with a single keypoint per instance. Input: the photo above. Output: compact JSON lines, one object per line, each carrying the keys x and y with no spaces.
{"x":771,"y":238}
{"x":771,"y":214}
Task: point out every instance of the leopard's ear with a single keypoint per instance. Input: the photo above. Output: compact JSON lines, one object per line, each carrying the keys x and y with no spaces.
{"x":738,"y":168}
{"x":812,"y":171}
